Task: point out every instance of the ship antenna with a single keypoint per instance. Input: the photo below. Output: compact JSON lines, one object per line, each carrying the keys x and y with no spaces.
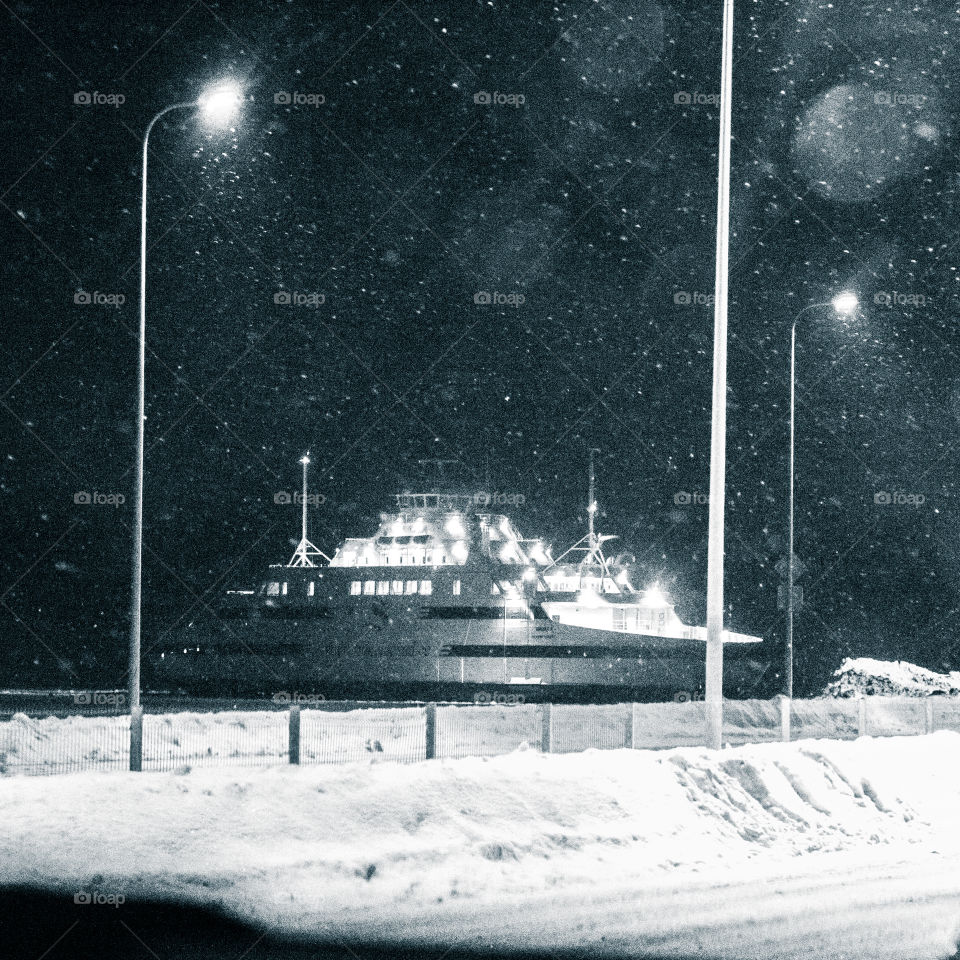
{"x":439,"y":464}
{"x":592,"y":503}
{"x":594,"y":547}
{"x":306,"y":551}
{"x":591,"y":546}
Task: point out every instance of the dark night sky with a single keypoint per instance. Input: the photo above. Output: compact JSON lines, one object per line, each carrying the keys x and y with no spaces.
{"x":398,"y":199}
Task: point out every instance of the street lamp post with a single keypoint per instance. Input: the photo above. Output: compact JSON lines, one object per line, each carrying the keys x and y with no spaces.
{"x":718,"y":427}
{"x":218,"y":105}
{"x":844,"y":303}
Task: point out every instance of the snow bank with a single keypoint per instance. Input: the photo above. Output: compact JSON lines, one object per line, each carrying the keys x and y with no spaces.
{"x":393,"y":850}
{"x":862,"y":676}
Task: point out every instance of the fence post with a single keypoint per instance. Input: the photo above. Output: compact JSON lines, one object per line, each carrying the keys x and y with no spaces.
{"x":546,"y":727}
{"x":785,"y":705}
{"x":928,"y":704}
{"x":430,"y":712}
{"x":136,"y":738}
{"x":861,"y":716}
{"x":294,"y":750}
{"x":629,"y":731}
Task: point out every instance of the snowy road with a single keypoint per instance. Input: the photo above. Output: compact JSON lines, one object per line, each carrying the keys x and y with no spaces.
{"x":899,"y":911}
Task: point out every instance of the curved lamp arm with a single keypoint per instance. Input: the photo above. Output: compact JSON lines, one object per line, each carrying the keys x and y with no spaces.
{"x":810,"y":306}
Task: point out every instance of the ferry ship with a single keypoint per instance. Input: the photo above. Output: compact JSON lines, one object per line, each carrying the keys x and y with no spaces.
{"x":448,"y":600}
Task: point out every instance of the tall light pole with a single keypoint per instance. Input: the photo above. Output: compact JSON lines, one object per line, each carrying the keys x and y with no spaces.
{"x":718,"y":427}
{"x":843,"y":304}
{"x":217,"y":105}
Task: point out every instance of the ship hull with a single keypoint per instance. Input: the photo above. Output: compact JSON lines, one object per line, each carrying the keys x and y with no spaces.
{"x":405,"y":656}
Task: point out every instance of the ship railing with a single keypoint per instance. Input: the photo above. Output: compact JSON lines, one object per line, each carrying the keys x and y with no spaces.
{"x":436,"y":501}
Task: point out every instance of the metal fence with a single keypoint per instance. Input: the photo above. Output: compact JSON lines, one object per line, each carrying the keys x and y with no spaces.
{"x":396,"y":733}
{"x":61,"y":744}
{"x":342,"y":733}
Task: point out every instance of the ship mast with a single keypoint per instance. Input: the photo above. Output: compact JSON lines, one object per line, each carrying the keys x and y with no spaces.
{"x":592,"y":503}
{"x":592,"y":544}
{"x":303,"y":555}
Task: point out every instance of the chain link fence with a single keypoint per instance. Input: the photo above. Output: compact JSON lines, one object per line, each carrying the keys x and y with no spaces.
{"x":64,"y":741}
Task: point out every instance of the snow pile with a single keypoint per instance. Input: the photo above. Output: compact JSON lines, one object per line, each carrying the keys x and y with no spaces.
{"x":393,"y":850}
{"x":862,"y":676}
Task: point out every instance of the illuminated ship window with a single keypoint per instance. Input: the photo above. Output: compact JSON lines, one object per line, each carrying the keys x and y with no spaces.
{"x":494,"y":589}
{"x":355,"y":588}
{"x":311,"y":588}
{"x":369,"y":587}
{"x":456,"y":588}
{"x":273,"y":589}
{"x":426,"y":587}
{"x":284,"y":589}
{"x":396,"y":588}
{"x":412,"y":586}
{"x":383,"y":587}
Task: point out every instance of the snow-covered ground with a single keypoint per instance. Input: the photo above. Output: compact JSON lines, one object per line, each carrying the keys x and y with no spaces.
{"x":862,"y":676}
{"x":818,"y":848}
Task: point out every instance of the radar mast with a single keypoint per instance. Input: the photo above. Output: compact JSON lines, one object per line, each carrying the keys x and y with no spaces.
{"x":306,"y":551}
{"x":594,"y":561}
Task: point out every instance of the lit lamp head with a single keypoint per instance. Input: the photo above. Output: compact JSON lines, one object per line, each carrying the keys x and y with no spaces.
{"x":220,"y":103}
{"x":305,"y":459}
{"x":846,"y":303}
